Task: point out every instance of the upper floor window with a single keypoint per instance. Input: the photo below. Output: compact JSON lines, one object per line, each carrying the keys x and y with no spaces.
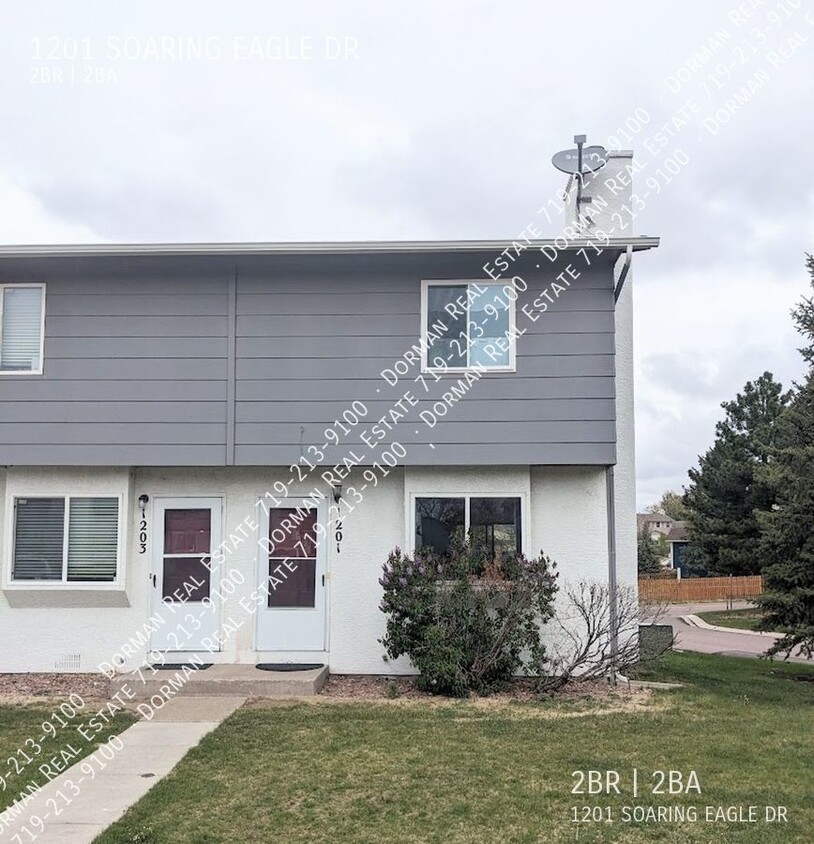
{"x":22,"y":317}
{"x":66,"y":539}
{"x":465,"y":325}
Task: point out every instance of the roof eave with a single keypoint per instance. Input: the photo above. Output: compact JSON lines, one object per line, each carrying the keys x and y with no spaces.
{"x":638,"y":244}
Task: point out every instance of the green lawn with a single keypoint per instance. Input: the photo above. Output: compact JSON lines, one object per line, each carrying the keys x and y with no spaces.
{"x":746,"y":619}
{"x":36,"y":735}
{"x":406,"y":771}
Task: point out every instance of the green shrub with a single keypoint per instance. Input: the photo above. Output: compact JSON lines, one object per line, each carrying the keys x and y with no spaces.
{"x":468,"y":624}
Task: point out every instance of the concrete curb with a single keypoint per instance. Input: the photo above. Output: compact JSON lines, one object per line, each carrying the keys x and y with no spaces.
{"x":695,"y":621}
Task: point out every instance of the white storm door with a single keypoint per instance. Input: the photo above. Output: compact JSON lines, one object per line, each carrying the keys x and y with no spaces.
{"x":291,"y":572}
{"x":184,"y":580}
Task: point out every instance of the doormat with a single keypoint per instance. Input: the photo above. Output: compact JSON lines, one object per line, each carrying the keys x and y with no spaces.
{"x":179,"y":666}
{"x":289,"y":666}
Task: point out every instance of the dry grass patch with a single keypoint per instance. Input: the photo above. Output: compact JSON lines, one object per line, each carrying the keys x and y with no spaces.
{"x":45,"y":688}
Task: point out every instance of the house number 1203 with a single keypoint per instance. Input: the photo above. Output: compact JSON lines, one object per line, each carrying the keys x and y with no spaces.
{"x":142,"y":534}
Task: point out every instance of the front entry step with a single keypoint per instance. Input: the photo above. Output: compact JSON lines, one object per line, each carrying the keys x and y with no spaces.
{"x":217,"y":680}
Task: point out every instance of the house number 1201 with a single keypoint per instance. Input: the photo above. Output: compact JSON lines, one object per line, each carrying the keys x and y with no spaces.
{"x":338,"y":535}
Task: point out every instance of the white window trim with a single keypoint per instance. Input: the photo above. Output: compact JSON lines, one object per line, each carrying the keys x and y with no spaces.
{"x":63,"y":585}
{"x":410,"y":520}
{"x":426,"y":283}
{"x":39,"y":371}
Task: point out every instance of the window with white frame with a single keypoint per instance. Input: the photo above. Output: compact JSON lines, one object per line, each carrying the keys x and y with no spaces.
{"x":22,"y":316}
{"x":467,"y":324}
{"x":65,"y":539}
{"x":492,"y":523}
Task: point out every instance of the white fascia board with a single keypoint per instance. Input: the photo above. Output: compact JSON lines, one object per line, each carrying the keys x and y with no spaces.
{"x":638,"y":243}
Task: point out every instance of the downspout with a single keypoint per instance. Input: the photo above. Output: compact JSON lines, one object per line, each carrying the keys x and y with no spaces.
{"x":613,"y":591}
{"x":623,"y":275}
{"x":613,"y":612}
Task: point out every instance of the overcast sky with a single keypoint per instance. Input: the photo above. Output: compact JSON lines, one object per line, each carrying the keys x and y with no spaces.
{"x":370,"y":120}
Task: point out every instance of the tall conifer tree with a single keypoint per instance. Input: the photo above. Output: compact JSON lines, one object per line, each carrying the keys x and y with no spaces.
{"x":730,"y":486}
{"x":788,"y":528}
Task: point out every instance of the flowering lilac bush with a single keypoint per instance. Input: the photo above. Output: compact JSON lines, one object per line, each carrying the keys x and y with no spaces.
{"x":468,"y":624}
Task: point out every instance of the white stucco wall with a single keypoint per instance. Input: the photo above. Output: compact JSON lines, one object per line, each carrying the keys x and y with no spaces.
{"x":39,"y":638}
{"x":563,"y":514}
{"x":46,"y":629}
{"x":370,"y":532}
{"x":569,"y":519}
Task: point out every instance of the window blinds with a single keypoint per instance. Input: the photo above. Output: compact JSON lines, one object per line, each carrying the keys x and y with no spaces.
{"x":92,"y":546}
{"x":38,"y":539}
{"x":21,"y":329}
{"x":93,"y":528}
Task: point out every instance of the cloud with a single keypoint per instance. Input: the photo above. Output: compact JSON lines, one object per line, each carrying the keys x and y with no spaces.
{"x":25,"y":219}
{"x":443,"y":128}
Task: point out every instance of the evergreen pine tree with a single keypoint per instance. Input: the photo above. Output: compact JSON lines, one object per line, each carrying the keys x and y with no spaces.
{"x":729,"y":487}
{"x":649,"y":562}
{"x":788,"y":528}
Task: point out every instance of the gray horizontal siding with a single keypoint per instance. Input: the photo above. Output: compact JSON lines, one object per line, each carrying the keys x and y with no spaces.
{"x":56,"y":392}
{"x":138,"y":347}
{"x":126,"y":369}
{"x":136,"y":304}
{"x":135,"y":367}
{"x":138,"y":362}
{"x":328,"y":304}
{"x":539,"y":366}
{"x":120,"y":454}
{"x":306,"y":345}
{"x":113,"y":411}
{"x":131,"y":433}
{"x":111,"y":283}
{"x":504,"y":386}
{"x":389,"y":302}
{"x":558,"y":454}
{"x":395,"y":346}
{"x":483,"y":410}
{"x":298,"y":277}
{"x":415,"y":431}
{"x":134,"y":326}
{"x":359,"y":325}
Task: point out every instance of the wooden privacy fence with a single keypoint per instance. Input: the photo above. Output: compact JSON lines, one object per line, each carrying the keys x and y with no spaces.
{"x":699,"y":589}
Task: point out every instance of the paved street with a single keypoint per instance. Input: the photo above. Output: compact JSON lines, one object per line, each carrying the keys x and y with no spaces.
{"x":713,"y":641}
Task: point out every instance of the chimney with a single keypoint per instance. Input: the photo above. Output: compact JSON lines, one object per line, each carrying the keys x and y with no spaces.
{"x":609,"y":190}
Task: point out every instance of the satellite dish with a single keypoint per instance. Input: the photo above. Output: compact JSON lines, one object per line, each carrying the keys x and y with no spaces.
{"x":593,"y":159}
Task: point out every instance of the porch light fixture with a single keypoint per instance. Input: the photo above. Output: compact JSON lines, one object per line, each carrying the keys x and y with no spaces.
{"x":143,"y":500}
{"x":337,"y":488}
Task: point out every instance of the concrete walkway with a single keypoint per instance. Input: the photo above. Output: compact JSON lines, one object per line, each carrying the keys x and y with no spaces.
{"x":151,"y":749}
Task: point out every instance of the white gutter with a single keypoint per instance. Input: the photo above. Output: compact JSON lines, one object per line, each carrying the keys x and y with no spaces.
{"x":293,"y":248}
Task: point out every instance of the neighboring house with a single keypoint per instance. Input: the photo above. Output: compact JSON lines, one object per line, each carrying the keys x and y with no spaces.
{"x":208,"y":450}
{"x":678,"y":539}
{"x":656,"y":524}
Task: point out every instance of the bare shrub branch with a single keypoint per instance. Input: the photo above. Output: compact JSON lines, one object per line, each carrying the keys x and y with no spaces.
{"x":581,"y":643}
